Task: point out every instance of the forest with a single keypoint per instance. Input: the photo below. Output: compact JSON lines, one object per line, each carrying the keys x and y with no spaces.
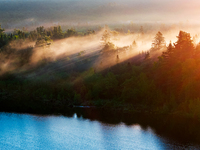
{"x":50,"y":70}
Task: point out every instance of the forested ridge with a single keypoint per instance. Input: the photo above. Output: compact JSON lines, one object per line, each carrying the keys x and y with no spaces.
{"x":167,"y":84}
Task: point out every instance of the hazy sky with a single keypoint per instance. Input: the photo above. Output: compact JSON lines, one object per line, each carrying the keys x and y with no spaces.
{"x":28,"y":11}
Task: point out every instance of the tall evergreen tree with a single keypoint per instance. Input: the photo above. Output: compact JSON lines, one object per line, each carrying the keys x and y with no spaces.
{"x":158,"y":42}
{"x":184,"y":47}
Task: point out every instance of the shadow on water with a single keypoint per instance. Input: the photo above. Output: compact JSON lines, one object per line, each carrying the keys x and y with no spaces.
{"x":177,"y":129}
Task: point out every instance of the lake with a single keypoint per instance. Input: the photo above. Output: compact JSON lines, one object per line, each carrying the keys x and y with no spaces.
{"x":91,"y":130}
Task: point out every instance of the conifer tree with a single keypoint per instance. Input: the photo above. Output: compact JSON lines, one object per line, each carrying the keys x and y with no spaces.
{"x":184,"y":47}
{"x":158,"y":42}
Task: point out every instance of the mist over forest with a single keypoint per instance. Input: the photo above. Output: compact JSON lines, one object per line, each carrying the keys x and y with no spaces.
{"x":130,"y":66}
{"x":127,"y":55}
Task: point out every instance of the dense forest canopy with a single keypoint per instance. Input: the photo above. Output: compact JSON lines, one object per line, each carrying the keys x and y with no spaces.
{"x":102,"y":67}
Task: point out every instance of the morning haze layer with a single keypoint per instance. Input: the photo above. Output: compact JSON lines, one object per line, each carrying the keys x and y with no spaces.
{"x":18,"y":13}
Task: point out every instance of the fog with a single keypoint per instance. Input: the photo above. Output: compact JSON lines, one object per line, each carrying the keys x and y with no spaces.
{"x":28,"y":13}
{"x":82,"y":53}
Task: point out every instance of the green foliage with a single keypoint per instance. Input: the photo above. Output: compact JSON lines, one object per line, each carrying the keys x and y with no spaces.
{"x":43,"y":41}
{"x":139,"y":90}
{"x":168,"y":85}
{"x":77,"y":99}
{"x":70,"y":32}
{"x":90,"y":32}
{"x":110,"y":81}
{"x":4,"y":38}
{"x":57,"y":33}
{"x":1,"y":30}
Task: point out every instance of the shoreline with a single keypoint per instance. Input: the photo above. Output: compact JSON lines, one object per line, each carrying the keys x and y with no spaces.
{"x":121,"y":109}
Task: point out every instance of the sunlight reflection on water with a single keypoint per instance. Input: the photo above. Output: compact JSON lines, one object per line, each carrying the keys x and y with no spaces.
{"x":22,"y":131}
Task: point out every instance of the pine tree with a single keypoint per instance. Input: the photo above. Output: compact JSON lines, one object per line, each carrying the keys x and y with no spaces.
{"x":134,"y":44}
{"x":184,"y":47}
{"x":60,"y":32}
{"x":169,"y":51}
{"x":147,"y":55}
{"x":158,"y":42}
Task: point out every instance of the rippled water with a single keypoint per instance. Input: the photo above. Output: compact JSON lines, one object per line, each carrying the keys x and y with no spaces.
{"x":24,"y":131}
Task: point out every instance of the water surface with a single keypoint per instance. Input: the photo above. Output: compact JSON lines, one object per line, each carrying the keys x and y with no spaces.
{"x":25,"y":131}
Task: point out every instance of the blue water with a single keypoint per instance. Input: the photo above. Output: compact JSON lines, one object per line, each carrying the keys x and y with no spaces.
{"x":24,"y":131}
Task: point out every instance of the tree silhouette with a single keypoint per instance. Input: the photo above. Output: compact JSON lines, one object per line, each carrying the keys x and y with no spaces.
{"x":158,"y":42}
{"x":147,"y":55}
{"x":117,"y":59}
{"x":70,"y":32}
{"x":141,"y":30}
{"x":107,"y":45}
{"x":184,"y":47}
{"x":2,"y":37}
{"x":43,"y":41}
{"x":57,"y":32}
{"x":106,"y":37}
{"x":167,"y":54}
